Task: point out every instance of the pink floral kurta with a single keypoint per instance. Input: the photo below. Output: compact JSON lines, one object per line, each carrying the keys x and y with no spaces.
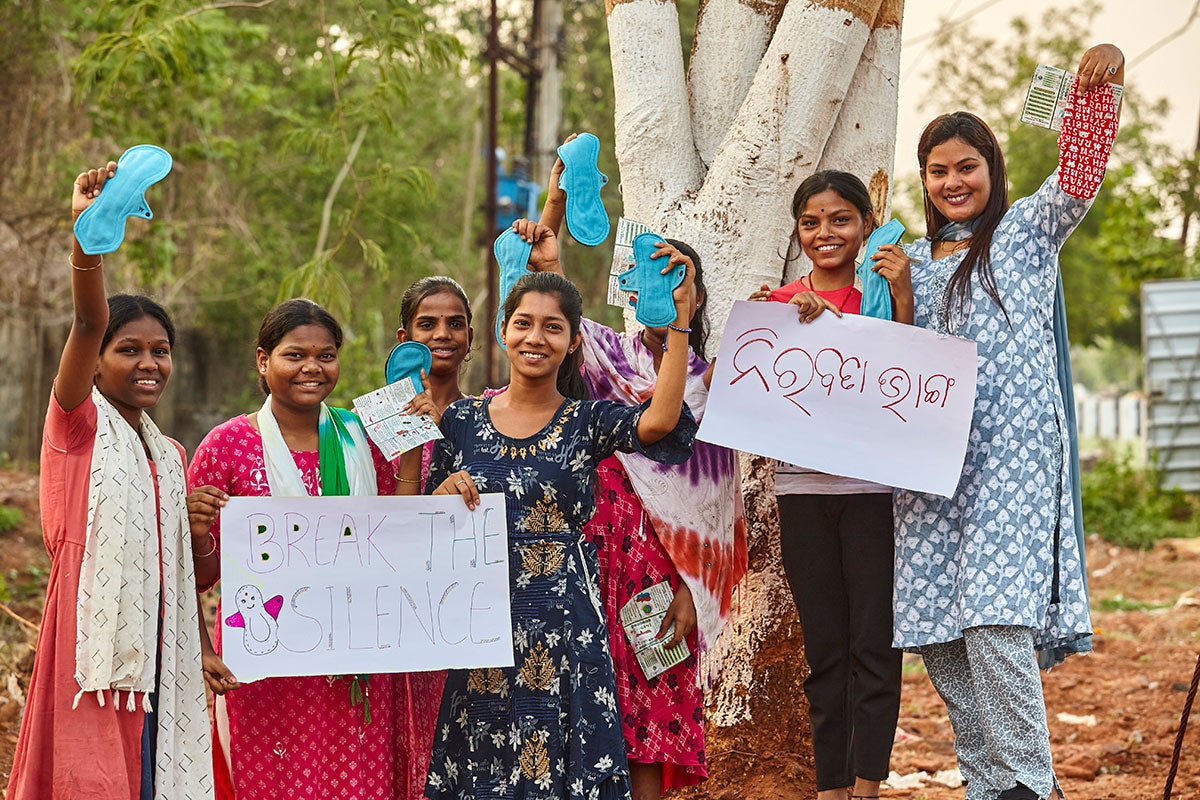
{"x":300,"y":737}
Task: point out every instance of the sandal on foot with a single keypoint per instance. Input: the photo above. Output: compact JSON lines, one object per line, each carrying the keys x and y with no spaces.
{"x":100,"y":228}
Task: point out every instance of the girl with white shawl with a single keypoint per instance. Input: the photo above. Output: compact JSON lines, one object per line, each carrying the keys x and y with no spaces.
{"x":116,"y":705}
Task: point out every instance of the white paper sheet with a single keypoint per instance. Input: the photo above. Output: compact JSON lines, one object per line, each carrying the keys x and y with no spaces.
{"x":853,"y":396}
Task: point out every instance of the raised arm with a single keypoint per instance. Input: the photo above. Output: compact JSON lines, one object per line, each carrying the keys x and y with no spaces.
{"x":555,"y":208}
{"x":663,"y":414}
{"x":77,"y":366}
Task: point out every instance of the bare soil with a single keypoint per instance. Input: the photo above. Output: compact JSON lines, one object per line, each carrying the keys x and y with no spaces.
{"x":1113,"y":714}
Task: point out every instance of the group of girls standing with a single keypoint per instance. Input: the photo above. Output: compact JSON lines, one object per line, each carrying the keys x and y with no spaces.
{"x":592,"y":442}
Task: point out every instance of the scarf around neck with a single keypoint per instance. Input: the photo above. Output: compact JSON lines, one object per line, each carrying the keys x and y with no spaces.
{"x":119,"y":607}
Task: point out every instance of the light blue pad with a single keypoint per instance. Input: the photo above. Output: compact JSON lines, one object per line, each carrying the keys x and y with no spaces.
{"x":406,"y":360}
{"x":877,"y":293}
{"x":655,"y":305}
{"x":101,"y":227}
{"x":512,"y":257}
{"x":582,"y":180}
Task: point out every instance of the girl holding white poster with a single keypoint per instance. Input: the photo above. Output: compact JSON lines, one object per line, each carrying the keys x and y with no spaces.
{"x":991,"y":575}
{"x":549,"y":726}
{"x":836,"y":532}
{"x":312,"y":736}
{"x":679,"y":524}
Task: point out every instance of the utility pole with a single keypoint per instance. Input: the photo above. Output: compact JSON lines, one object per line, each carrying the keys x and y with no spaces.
{"x":542,"y":91}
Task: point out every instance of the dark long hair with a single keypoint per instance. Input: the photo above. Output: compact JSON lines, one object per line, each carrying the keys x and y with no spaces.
{"x":570,"y":372}
{"x":285,"y":318}
{"x":125,"y":308}
{"x":698,"y":338}
{"x":416,"y":294}
{"x":846,"y":184}
{"x":978,"y":261}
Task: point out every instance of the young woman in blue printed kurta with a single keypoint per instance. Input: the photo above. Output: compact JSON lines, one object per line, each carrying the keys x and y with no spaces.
{"x":549,"y":727}
{"x":987,"y":576}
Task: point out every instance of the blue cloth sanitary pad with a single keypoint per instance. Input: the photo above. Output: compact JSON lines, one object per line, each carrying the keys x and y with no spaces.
{"x":101,"y":227}
{"x":582,"y":180}
{"x":655,"y":305}
{"x":877,"y":293}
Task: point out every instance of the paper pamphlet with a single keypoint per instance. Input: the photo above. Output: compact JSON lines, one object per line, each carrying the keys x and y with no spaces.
{"x":392,"y":432}
{"x":1049,"y":97}
{"x":641,"y":617}
{"x":627,"y":231}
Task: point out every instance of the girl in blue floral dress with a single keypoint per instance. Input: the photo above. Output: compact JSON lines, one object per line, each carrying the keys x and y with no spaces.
{"x":988,"y":576}
{"x":549,"y":726}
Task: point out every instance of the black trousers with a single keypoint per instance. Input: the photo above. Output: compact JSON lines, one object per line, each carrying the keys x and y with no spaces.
{"x":837,"y":552}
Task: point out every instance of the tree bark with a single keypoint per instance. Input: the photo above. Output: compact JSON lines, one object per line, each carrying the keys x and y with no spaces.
{"x":776,"y":90}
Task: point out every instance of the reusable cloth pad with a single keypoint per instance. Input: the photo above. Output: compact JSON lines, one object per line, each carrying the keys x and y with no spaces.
{"x":512,"y":257}
{"x":877,"y":293}
{"x":101,"y":227}
{"x":406,"y":360}
{"x":655,"y":305}
{"x":582,"y":181}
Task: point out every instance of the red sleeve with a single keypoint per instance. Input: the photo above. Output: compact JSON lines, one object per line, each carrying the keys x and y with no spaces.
{"x":789,"y":290}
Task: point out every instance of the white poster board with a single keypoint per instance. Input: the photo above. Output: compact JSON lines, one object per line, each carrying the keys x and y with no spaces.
{"x":349,"y":585}
{"x":854,"y":396}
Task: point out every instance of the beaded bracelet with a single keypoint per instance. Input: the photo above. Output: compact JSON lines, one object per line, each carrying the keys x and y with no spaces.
{"x":684,"y":331}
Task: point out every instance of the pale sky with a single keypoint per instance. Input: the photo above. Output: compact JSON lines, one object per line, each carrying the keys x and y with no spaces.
{"x":1135,"y":26}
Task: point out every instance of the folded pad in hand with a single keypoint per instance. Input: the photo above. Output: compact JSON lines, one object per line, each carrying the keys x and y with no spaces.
{"x":877,"y":293}
{"x":655,"y":304}
{"x":512,"y":257}
{"x":582,"y":180}
{"x":406,"y":360}
{"x":101,"y":227}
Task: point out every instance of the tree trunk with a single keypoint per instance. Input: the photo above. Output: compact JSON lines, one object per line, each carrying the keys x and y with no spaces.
{"x":776,"y":90}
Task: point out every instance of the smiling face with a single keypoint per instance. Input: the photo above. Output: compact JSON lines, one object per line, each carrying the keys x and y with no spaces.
{"x":538,"y":336}
{"x":831,"y":231}
{"x":957,"y":179}
{"x":248,"y":598}
{"x":441,"y":325}
{"x":133,"y":368}
{"x":302,"y":369}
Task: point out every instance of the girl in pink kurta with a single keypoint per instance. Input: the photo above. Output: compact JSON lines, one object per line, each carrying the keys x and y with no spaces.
{"x":114,"y":712}
{"x":301,"y":737}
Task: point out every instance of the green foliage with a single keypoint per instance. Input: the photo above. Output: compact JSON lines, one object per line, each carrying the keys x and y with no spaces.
{"x":1128,"y":505}
{"x":1119,"y":243}
{"x":10,"y":518}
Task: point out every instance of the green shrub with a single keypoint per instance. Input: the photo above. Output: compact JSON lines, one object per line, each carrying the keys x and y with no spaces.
{"x":1127,"y":505}
{"x":10,"y":518}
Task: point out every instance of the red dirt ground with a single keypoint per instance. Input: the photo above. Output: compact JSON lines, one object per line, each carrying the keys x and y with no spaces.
{"x":1146,"y":610}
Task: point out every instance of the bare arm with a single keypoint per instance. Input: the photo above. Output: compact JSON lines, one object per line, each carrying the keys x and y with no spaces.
{"x":555,"y":207}
{"x":77,"y":366}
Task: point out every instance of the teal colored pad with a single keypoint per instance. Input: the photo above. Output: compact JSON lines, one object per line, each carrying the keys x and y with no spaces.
{"x":512,"y":257}
{"x":101,"y":227}
{"x":655,"y":304}
{"x":582,"y":180}
{"x":877,"y":293}
{"x":406,"y":360}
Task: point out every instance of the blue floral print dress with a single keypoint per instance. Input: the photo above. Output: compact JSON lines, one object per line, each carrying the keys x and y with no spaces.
{"x":1002,"y":550}
{"x":549,"y":727}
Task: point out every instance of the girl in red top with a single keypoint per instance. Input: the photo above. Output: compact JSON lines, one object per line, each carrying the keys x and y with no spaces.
{"x":836,"y":532}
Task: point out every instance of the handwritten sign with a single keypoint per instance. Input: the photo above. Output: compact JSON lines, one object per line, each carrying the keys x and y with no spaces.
{"x":343,"y":585}
{"x":854,"y":396}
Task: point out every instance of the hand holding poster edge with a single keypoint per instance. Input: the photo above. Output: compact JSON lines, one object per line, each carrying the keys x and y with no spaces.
{"x":349,"y":585}
{"x":860,"y":397}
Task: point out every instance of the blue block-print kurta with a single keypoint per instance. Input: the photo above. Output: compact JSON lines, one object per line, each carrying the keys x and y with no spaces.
{"x":1002,"y":550}
{"x":548,"y":727}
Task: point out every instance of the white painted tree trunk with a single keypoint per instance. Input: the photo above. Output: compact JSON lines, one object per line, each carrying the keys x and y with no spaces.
{"x":776,"y":90}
